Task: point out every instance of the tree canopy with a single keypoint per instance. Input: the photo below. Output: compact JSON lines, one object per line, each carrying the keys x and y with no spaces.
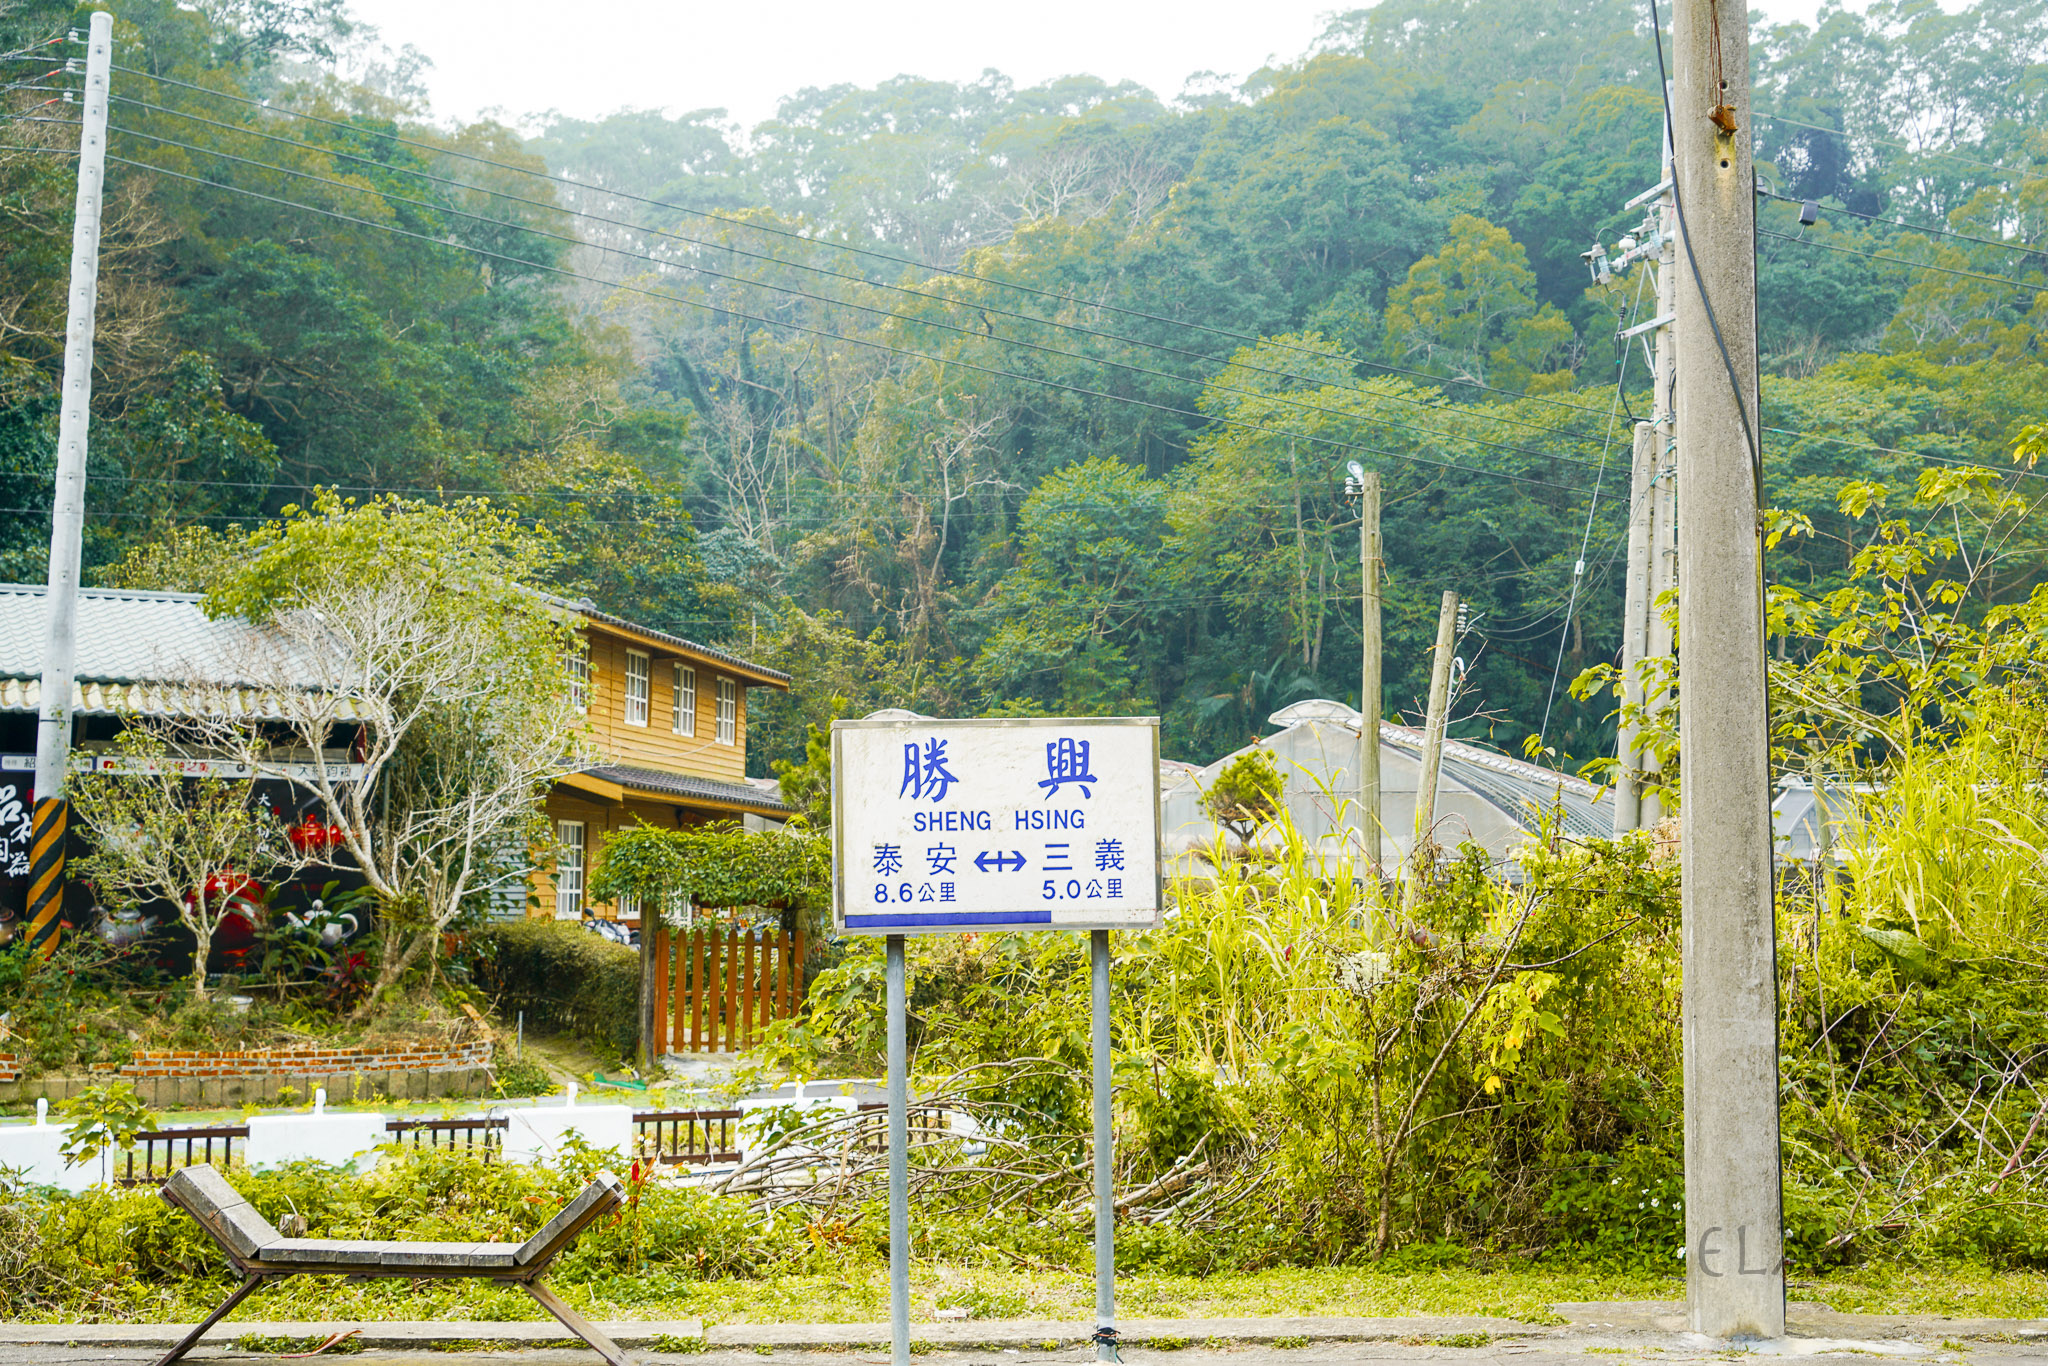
{"x":973,"y":397}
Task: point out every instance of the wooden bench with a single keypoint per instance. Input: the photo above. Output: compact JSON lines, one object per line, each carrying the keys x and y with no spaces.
{"x":261,"y":1253}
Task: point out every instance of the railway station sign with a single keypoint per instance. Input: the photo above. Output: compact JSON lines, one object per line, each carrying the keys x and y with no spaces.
{"x":1013,"y":824}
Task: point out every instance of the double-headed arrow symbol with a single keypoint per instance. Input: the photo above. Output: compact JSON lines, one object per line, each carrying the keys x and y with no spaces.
{"x":1005,"y":863}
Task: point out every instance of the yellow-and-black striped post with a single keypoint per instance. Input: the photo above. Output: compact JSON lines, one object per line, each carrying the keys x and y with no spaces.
{"x":67,"y":500}
{"x":46,"y":871}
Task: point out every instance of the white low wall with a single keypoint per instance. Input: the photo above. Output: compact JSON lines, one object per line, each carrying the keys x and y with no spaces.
{"x":341,"y":1140}
{"x":35,"y":1150}
{"x":538,"y":1135}
{"x":533,"y":1134}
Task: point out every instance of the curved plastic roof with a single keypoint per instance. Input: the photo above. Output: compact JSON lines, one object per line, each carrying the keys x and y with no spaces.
{"x":1483,"y":797}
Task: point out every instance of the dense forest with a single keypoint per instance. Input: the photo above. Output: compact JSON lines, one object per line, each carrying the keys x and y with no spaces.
{"x":982,"y":399}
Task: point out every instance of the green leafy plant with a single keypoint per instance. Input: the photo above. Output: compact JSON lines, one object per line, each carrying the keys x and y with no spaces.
{"x":1246,"y":794}
{"x":715,"y":866}
{"x":105,"y":1119}
{"x":516,"y":1077}
{"x":983,"y":1303}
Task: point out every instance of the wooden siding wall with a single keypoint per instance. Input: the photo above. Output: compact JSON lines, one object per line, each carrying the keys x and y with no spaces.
{"x":655,"y":745}
{"x":600,"y":819}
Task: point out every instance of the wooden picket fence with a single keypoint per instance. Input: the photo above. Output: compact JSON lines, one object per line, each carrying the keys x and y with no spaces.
{"x":717,"y":988}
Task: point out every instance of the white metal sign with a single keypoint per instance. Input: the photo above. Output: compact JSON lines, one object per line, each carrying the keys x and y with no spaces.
{"x":1024,"y":824}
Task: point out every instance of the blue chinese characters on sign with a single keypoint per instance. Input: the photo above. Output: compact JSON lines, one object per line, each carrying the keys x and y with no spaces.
{"x":1066,"y":761}
{"x":925,"y":774}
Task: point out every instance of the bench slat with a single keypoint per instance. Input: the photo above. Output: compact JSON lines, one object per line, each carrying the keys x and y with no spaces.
{"x":345,"y":1252}
{"x":217,"y":1205}
{"x":604,"y":1190}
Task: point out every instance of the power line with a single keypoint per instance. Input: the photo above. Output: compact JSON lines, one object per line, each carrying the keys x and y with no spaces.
{"x":1848,"y":442}
{"x":1904,"y":146}
{"x":2020,"y":247}
{"x":889,"y":257}
{"x":969,"y":332}
{"x":817,"y":242}
{"x":841,"y":337}
{"x":1220,"y":598}
{"x":1902,"y":261}
{"x":1586,"y":539}
{"x":725,"y":247}
{"x":841,"y":498}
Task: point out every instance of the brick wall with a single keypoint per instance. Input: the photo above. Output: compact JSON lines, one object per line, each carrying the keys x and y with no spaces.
{"x":10,"y":1067}
{"x":405,"y":1058}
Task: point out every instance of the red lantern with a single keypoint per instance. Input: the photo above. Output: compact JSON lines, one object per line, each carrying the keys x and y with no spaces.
{"x":313,"y":835}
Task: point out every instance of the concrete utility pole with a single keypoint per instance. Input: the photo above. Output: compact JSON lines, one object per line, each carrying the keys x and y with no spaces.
{"x":1369,"y":814}
{"x":1664,"y":484}
{"x":1734,"y":1255}
{"x":1652,"y":547}
{"x":1432,"y":749}
{"x":67,"y":519}
{"x":1635,"y":635}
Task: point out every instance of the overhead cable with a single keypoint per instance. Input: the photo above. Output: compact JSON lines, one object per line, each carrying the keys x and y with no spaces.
{"x":983,"y":309}
{"x":970,"y":332}
{"x":1902,"y":261}
{"x":888,"y":257}
{"x":869,"y":343}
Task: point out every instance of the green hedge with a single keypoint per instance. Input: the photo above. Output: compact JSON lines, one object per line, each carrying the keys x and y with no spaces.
{"x":565,"y":978}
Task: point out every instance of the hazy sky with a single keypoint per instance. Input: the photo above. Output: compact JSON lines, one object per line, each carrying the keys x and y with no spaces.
{"x":520,"y":57}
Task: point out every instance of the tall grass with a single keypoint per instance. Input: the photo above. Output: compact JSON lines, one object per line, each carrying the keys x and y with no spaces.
{"x":1954,"y":845}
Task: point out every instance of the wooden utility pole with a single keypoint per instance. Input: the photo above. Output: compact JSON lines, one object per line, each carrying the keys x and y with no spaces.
{"x":1734,"y":1253}
{"x":1432,"y":750}
{"x":1369,"y":814}
{"x":67,"y":503}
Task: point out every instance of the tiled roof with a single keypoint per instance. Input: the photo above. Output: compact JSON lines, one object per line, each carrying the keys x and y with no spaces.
{"x":156,"y":699}
{"x":586,"y":608}
{"x":142,"y":652}
{"x":688,"y":788}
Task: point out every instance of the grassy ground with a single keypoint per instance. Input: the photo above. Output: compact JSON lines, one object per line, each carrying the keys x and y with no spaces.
{"x":859,"y":1294}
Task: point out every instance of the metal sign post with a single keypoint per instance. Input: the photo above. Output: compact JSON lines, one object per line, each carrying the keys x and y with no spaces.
{"x":899,"y":1158}
{"x":1105,"y":1194}
{"x":978,"y":826}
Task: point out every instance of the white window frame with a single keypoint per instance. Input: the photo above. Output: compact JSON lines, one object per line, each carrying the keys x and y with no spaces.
{"x":570,"y":837}
{"x":639,"y":686}
{"x":683,"y":709}
{"x":728,"y":711}
{"x":579,"y":678}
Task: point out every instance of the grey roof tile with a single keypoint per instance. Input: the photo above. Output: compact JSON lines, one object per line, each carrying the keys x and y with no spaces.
{"x":139,"y":652}
{"x":585,"y":607}
{"x":685,"y":786}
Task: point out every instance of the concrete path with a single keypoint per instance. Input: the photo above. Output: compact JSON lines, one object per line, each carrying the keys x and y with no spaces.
{"x":1631,"y":1332}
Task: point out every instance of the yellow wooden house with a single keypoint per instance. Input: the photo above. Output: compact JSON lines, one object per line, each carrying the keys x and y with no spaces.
{"x":668,"y":718}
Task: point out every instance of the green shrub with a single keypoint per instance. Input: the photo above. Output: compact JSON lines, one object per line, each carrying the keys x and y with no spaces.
{"x":565,"y":978}
{"x":522,"y":1077}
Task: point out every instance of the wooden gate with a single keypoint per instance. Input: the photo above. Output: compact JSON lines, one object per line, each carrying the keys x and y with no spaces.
{"x":716,"y":988}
